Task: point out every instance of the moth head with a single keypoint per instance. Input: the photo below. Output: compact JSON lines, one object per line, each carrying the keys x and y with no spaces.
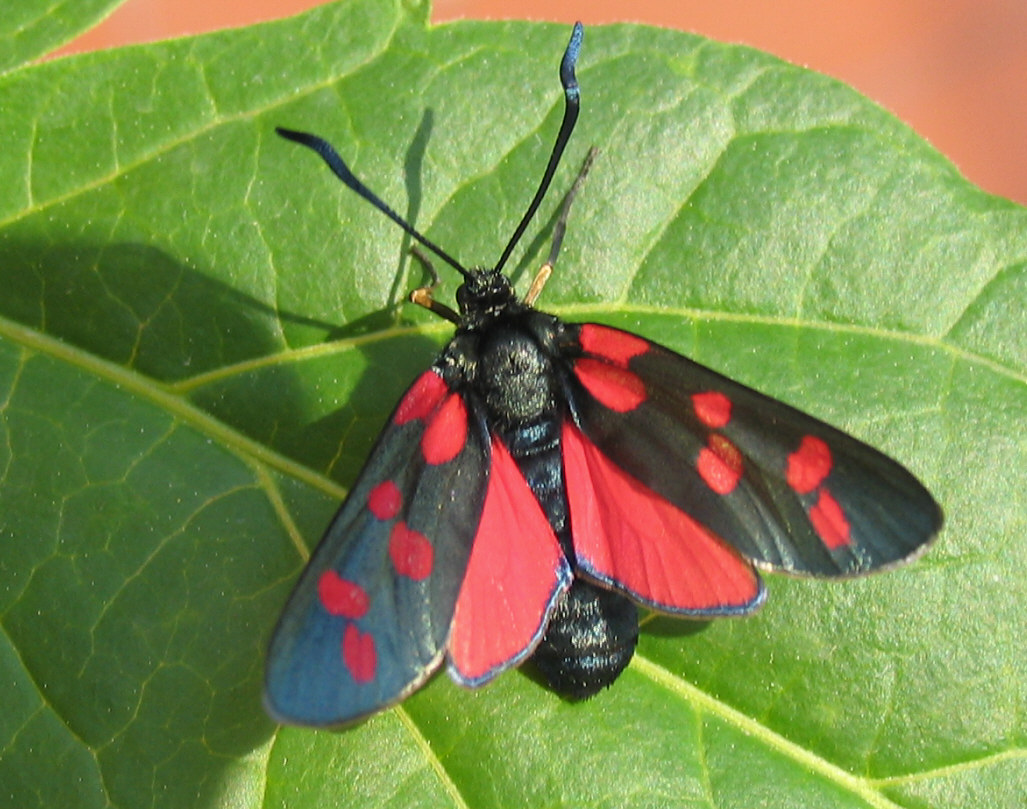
{"x":483,"y":293}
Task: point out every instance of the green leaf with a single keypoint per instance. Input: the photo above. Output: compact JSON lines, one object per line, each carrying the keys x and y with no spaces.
{"x":201,"y":333}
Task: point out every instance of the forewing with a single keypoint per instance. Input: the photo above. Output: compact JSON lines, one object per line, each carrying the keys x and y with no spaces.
{"x":371,"y":614}
{"x":786,"y":490}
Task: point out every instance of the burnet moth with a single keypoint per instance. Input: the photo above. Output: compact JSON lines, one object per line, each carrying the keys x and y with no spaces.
{"x":543,"y":479}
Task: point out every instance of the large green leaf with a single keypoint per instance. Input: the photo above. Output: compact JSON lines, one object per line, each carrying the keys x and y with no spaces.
{"x":201,"y":332}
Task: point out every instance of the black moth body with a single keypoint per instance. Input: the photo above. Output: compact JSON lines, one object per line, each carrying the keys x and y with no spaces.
{"x":543,"y":479}
{"x":507,"y":354}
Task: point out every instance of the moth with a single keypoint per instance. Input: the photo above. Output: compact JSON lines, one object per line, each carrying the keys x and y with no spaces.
{"x":542,"y":480}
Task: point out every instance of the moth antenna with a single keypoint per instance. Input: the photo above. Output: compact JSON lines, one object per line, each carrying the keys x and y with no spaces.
{"x":572,"y":104}
{"x":342,"y":171}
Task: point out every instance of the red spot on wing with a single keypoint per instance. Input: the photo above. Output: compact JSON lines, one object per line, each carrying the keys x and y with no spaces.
{"x":422,"y":398}
{"x":612,"y":345}
{"x":514,"y":573}
{"x":411,"y":553}
{"x":617,"y":388}
{"x":829,"y":521}
{"x":385,"y":500}
{"x":446,"y":433}
{"x":341,"y":597}
{"x":358,"y":653}
{"x":720,"y":464}
{"x":809,"y":464}
{"x":712,"y":408}
{"x":627,"y":534}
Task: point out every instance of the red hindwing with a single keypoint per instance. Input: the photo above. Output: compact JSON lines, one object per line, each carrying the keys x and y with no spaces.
{"x":515,"y":574}
{"x":631,"y":538}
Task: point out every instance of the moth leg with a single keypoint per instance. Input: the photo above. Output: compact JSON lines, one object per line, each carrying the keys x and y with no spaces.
{"x":559,"y":229}
{"x":422,"y":296}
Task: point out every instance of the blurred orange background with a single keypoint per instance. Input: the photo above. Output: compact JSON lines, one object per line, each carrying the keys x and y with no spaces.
{"x":953,"y":70}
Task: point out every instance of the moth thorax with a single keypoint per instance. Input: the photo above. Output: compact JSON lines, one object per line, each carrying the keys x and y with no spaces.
{"x":515,"y":377}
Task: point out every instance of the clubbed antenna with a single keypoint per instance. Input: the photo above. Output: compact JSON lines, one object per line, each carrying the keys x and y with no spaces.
{"x":570,"y":117}
{"x":338,"y":165}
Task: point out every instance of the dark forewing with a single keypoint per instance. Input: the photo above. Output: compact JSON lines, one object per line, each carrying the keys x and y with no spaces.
{"x":370,"y":617}
{"x":786,"y":490}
